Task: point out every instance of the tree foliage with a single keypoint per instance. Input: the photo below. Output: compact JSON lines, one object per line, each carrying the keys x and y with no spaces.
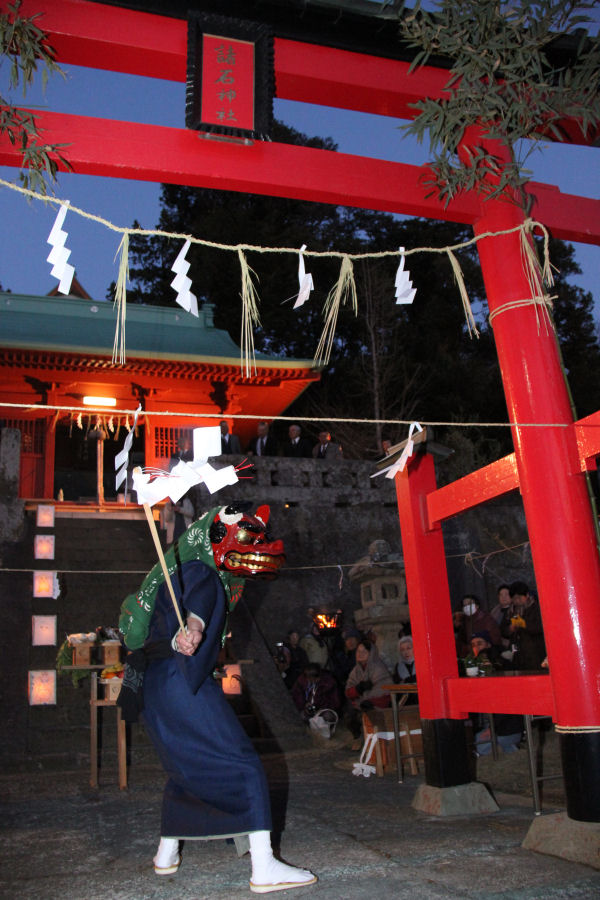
{"x":26,"y":49}
{"x":514,"y":73}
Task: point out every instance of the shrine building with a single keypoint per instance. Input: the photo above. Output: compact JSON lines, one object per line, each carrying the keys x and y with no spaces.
{"x":56,"y":352}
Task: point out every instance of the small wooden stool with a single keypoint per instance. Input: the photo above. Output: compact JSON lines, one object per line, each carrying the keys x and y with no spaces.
{"x":407,"y":736}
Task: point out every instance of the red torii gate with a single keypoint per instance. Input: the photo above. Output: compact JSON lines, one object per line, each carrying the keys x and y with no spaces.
{"x":548,"y":463}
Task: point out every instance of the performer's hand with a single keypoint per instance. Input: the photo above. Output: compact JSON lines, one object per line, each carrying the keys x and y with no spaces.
{"x":188,"y":641}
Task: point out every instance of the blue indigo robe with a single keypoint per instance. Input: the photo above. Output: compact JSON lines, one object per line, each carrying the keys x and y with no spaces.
{"x":217,"y":786}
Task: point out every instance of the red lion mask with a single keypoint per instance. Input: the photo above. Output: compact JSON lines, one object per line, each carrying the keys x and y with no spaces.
{"x":242,"y":546}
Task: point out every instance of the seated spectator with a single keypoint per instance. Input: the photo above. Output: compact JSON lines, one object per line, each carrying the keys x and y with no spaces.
{"x":372,"y":638}
{"x":475,"y":620}
{"x":345,"y":658}
{"x":296,"y":659}
{"x":524,"y":628}
{"x":483,"y":655}
{"x":502,"y":606}
{"x":404,"y":670}
{"x":315,"y":647}
{"x":315,"y":689}
{"x":364,"y":686}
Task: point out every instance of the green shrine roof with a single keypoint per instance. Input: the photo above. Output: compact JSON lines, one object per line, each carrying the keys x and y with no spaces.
{"x":64,"y":324}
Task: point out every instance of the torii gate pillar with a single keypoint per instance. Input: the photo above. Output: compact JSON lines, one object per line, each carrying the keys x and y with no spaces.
{"x":557,"y":506}
{"x":560,"y":524}
{"x":559,"y":515}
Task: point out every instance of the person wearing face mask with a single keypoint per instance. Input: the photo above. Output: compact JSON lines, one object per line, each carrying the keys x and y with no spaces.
{"x":474,"y":620}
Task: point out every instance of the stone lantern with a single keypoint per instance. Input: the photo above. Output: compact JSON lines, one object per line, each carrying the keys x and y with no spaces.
{"x":380,"y":575}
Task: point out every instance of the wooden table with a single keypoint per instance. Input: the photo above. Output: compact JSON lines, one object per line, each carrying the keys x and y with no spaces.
{"x":399,"y":694}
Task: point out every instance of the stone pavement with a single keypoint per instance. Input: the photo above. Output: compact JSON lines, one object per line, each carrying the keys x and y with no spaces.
{"x":360,"y":836}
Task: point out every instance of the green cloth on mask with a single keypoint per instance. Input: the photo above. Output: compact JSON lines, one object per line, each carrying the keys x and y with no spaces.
{"x":194,"y":544}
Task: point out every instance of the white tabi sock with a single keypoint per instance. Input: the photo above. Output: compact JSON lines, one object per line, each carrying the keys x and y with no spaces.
{"x":268,"y":873}
{"x":167,"y":857}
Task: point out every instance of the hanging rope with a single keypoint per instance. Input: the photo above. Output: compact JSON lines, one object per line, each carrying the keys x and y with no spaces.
{"x":343,"y":290}
{"x":281,"y":418}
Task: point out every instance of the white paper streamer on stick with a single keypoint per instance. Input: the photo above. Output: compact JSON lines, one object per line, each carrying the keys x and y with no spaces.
{"x":154,"y":485}
{"x":122,"y":458}
{"x":182,"y":284}
{"x":405,"y":292}
{"x":59,"y":254}
{"x":408,"y":451}
{"x":305,"y":281}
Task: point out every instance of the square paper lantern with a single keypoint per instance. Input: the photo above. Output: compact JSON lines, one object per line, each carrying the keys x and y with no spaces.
{"x":43,"y":546}
{"x":43,"y":631}
{"x":45,"y":584}
{"x":45,"y":516}
{"x":232,"y":680}
{"x":42,"y":687}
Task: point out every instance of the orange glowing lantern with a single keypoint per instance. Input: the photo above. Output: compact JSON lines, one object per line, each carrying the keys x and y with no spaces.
{"x":42,"y":687}
{"x":44,"y":584}
{"x":45,"y":516}
{"x":43,"y":546}
{"x":43,"y":631}
{"x":232,"y":680}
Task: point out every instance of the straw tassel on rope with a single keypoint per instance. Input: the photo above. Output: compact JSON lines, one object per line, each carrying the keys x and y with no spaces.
{"x":547,"y":276}
{"x":535,"y":276}
{"x":118,"y":356}
{"x":460,"y":281}
{"x":250,"y":316}
{"x":343,"y":289}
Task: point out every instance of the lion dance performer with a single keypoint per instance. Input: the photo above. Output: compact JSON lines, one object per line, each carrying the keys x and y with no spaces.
{"x":217,"y":787}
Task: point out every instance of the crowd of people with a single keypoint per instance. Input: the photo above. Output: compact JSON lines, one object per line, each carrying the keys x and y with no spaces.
{"x":341,"y":670}
{"x":297,"y":444}
{"x":509,"y":637}
{"x":512,"y":630}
